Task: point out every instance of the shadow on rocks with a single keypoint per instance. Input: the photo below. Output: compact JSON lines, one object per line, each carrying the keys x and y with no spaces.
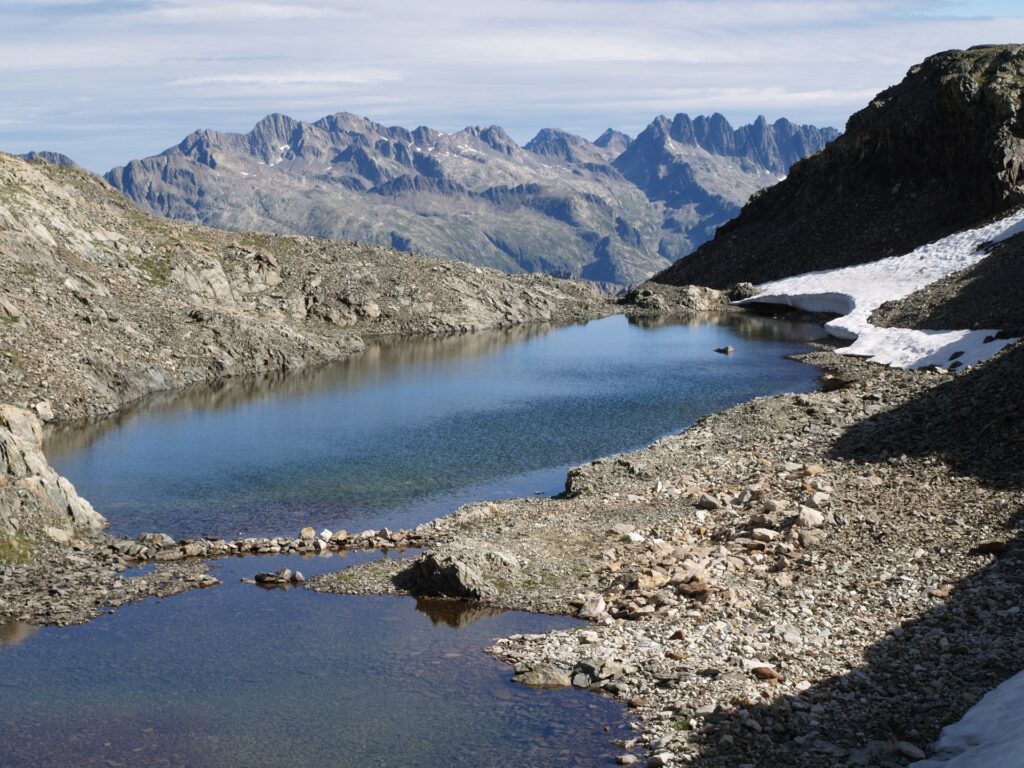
{"x":975,"y":423}
{"x":929,"y":671}
{"x":923,"y":675}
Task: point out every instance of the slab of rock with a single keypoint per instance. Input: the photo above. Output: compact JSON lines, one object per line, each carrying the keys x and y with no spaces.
{"x":544,"y":676}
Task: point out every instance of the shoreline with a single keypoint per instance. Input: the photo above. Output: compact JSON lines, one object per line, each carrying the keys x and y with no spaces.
{"x":766,"y":586}
{"x":663,"y":546}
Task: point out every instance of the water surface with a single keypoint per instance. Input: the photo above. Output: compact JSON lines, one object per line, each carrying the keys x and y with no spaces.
{"x":412,"y":430}
{"x":242,"y":676}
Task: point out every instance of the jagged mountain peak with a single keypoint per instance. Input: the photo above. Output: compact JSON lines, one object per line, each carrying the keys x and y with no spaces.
{"x":939,"y":152}
{"x":614,"y":141}
{"x":561,"y":204}
{"x":562,"y":145}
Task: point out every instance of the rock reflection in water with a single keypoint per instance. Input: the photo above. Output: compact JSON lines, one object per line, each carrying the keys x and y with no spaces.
{"x":14,"y":632}
{"x":413,"y":429}
{"x":381,"y":358}
{"x":454,"y":613}
{"x":747,"y":325}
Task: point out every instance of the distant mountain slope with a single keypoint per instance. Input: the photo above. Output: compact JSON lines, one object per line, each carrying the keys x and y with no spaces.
{"x":613,"y":211}
{"x":939,"y":152}
{"x":54,"y":158}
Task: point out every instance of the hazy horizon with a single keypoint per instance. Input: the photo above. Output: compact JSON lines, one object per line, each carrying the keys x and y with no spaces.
{"x":105,"y":82}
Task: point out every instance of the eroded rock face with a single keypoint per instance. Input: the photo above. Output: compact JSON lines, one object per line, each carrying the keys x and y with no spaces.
{"x":937,"y":153}
{"x":32,"y":495}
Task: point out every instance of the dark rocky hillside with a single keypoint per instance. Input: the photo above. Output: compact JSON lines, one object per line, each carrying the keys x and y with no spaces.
{"x":614,"y":210}
{"x":939,"y":152}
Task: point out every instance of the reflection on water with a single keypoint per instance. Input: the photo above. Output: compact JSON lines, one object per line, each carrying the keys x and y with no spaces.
{"x":263,"y":678}
{"x":747,"y":325}
{"x":382,"y":358}
{"x":237,"y":676}
{"x":412,"y":429}
{"x":454,"y":613}
{"x":13,"y":632}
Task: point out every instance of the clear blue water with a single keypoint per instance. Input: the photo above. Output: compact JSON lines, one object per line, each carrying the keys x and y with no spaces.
{"x":415,"y":429}
{"x":242,"y":676}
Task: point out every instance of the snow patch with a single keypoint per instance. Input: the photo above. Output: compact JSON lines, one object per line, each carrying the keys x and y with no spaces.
{"x":990,"y":735}
{"x":855,"y":292}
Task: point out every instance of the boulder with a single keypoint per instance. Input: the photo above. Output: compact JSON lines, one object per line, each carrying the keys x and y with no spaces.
{"x":474,"y":572}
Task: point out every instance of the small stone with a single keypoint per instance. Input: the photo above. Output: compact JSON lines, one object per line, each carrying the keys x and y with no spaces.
{"x":592,"y":608}
{"x":708,"y":502}
{"x":544,"y":676}
{"x":991,"y":547}
{"x":307,"y":533}
{"x":659,"y":760}
{"x":325,"y":535}
{"x":298,"y":578}
{"x":726,"y":350}
{"x":912,"y":751}
{"x":767,"y":673}
{"x":810,"y":518}
{"x":59,"y":535}
{"x":44,"y":410}
{"x":626,"y":759}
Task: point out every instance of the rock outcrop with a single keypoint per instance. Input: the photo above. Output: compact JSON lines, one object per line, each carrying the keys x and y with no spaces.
{"x":34,"y":499}
{"x":939,"y":152}
{"x":106,"y":303}
{"x":613,"y":211}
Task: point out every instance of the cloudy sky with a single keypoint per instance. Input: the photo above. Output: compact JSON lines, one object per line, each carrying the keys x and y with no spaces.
{"x":109,"y":80}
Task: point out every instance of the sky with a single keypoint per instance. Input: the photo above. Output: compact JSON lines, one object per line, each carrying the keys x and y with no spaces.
{"x":106,"y":81}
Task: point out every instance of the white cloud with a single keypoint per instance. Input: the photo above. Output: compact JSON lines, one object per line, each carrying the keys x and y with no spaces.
{"x":150,"y":71}
{"x":271,"y":79}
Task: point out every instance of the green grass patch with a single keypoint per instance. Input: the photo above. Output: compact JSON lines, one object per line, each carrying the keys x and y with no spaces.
{"x":16,"y":549}
{"x":156,"y":269}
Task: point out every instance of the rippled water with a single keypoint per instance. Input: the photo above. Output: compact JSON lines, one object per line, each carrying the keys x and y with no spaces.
{"x":242,"y":676}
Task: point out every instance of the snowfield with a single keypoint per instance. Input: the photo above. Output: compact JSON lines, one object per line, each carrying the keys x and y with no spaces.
{"x":855,"y":292}
{"x":990,"y":735}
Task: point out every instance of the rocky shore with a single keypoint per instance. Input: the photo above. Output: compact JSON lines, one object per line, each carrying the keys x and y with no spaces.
{"x":803,"y":580}
{"x":106,"y":303}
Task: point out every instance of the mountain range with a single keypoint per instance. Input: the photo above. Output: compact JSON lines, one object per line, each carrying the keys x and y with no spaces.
{"x":614,"y":210}
{"x":938,"y":152}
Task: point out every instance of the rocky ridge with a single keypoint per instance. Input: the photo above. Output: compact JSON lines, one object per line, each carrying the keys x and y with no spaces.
{"x":613,"y":211}
{"x":110,"y":303}
{"x":941,"y":151}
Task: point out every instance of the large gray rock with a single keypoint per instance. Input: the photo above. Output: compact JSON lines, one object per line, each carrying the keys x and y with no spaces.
{"x":472,"y":571}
